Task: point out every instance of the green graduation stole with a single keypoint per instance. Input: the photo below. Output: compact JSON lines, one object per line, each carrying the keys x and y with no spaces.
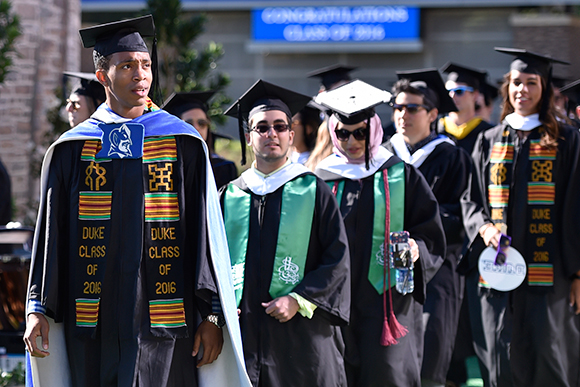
{"x":396,"y":184}
{"x":298,"y":200}
{"x":541,"y":192}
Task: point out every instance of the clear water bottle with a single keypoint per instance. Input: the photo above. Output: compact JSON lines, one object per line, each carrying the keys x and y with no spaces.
{"x":405,"y":282}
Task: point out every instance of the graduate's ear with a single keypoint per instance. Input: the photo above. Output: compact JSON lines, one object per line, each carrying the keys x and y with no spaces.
{"x":291,"y":137}
{"x":578,"y":111}
{"x":248,"y":138}
{"x":102,"y":77}
{"x":433,"y":113}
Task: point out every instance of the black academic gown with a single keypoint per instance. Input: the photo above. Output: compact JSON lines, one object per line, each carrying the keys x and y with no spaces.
{"x":369,"y":363}
{"x":123,"y":351}
{"x":468,"y":141}
{"x":224,"y":170}
{"x":447,"y":171}
{"x":545,"y":339}
{"x":302,"y":351}
{"x":5,"y":196}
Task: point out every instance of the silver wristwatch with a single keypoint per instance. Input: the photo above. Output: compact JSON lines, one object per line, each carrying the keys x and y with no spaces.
{"x":217,"y":319}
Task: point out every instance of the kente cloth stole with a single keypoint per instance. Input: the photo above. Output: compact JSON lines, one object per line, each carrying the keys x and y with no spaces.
{"x":163,"y":236}
{"x":396,"y":185}
{"x":296,"y":215}
{"x":541,"y":192}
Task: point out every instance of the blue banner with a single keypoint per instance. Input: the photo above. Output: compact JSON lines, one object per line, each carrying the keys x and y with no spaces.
{"x":335,"y":24}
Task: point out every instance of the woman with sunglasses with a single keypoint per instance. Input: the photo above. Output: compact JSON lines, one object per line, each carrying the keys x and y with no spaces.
{"x":528,"y":171}
{"x":418,"y":98}
{"x":463,"y":125}
{"x":379,"y":194}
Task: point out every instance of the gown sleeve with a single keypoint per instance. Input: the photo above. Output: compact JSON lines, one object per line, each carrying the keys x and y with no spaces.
{"x":423,"y":222}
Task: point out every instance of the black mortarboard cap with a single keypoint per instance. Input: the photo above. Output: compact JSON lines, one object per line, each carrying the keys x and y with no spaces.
{"x":264,"y":96}
{"x":89,"y":87}
{"x":532,"y":63}
{"x":529,"y":62}
{"x":489,"y":91}
{"x":463,"y":74}
{"x":430,"y":79}
{"x":120,"y":36}
{"x":332,"y":74}
{"x":559,"y":82}
{"x":353,"y":102}
{"x":179,"y":103}
{"x":572,"y":91}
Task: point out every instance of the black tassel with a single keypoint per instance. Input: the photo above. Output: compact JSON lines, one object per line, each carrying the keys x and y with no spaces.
{"x":156,"y":95}
{"x":367,"y":146}
{"x":241,"y":134}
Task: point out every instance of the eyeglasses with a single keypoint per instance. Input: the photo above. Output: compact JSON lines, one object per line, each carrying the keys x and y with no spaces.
{"x":411,"y":108}
{"x":460,"y":90}
{"x":504,"y":242}
{"x":200,"y":124}
{"x":358,"y":134}
{"x":75,"y":105}
{"x":264,"y":128}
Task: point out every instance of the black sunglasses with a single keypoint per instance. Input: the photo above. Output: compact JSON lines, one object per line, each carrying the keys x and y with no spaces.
{"x":504,"y":242}
{"x":264,"y":128}
{"x":358,"y":134}
{"x":411,"y":108}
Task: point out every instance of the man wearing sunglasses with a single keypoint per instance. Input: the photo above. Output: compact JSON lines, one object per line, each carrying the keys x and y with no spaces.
{"x":418,"y":98}
{"x":289,"y":251}
{"x":463,"y":126}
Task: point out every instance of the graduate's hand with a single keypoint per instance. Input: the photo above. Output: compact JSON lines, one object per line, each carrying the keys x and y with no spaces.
{"x":211,"y":338}
{"x":414,"y":249}
{"x":490,"y":235}
{"x":282,"y":308}
{"x":575,"y":294}
{"x":36,"y":325}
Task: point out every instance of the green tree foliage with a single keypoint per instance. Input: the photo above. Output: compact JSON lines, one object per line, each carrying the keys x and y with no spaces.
{"x":9,"y":31}
{"x":182,"y":66}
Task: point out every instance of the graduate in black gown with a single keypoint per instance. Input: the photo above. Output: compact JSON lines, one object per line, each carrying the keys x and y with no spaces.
{"x":378,"y":193}
{"x":418,"y":97}
{"x":463,"y":125}
{"x":130,"y":253}
{"x":572,"y":92}
{"x":289,"y":252}
{"x":192,"y":107}
{"x":528,"y":173}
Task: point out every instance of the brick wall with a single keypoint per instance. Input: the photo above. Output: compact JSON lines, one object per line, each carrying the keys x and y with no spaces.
{"x":48,"y":45}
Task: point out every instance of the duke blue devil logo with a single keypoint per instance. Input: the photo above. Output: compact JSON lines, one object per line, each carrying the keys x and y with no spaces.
{"x":121,"y":141}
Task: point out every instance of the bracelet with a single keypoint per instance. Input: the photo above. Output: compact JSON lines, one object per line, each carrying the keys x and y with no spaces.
{"x":575,"y":276}
{"x":217,"y":319}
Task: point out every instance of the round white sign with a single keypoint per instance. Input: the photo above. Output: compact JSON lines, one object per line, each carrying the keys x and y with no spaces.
{"x":504,"y":277}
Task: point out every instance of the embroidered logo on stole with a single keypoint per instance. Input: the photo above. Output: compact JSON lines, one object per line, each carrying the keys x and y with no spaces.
{"x":541,"y":193}
{"x":164,"y":238}
{"x":94,"y":213}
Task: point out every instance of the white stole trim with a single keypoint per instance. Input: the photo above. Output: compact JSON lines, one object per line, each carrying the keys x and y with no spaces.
{"x":260,"y":185}
{"x":525,"y":123}
{"x":420,"y":155}
{"x":339,"y":166}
